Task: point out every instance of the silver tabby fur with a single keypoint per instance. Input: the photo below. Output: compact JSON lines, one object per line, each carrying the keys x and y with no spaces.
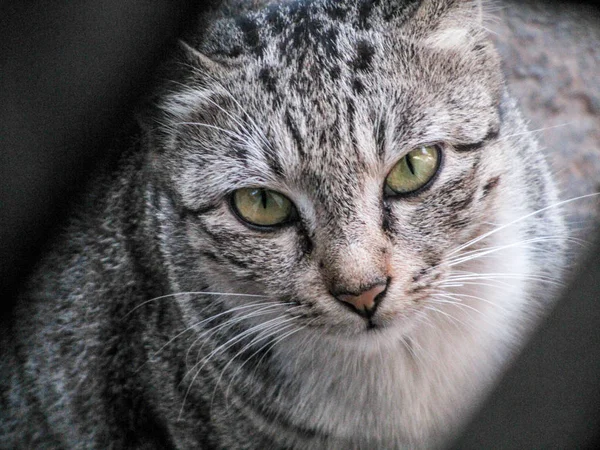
{"x":317,"y":100}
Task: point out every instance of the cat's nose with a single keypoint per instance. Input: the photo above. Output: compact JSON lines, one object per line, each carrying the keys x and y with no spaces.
{"x":364,"y":302}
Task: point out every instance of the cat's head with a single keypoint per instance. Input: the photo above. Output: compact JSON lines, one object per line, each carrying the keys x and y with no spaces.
{"x":329,"y":155}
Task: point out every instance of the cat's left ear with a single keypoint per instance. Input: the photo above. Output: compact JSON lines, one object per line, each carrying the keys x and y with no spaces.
{"x":199,"y":60}
{"x":447,"y":23}
{"x":187,"y":67}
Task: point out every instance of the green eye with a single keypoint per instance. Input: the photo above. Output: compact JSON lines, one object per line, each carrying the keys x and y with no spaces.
{"x":413,"y":171}
{"x":262,"y":207}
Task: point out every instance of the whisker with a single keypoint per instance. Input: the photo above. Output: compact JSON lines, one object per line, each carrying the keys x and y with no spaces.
{"x":264,"y":326}
{"x":409,"y":348}
{"x":536,"y":130}
{"x":265,"y":347}
{"x":266,"y":334}
{"x":461,"y":306}
{"x":573,"y":240}
{"x":238,"y":122}
{"x":280,"y":339}
{"x":450,"y":299}
{"x":194,"y":293}
{"x":230,"y":133}
{"x":452,"y":319}
{"x":206,"y":335}
{"x":499,"y":276}
{"x":220,"y":85}
{"x":502,"y":227}
{"x":253,"y":124}
{"x":200,"y":323}
{"x":314,"y":335}
{"x":457,"y":296}
{"x":245,"y":133}
{"x":475,"y":254}
{"x":229,"y":343}
{"x":423,"y":318}
{"x":260,"y":327}
{"x":497,"y":285}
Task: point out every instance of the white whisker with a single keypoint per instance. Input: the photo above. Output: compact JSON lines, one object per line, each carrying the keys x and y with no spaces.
{"x":501,"y":276}
{"x":262,"y":336}
{"x":524,"y":242}
{"x":458,"y":296}
{"x":233,"y":294}
{"x":220,"y":85}
{"x":226,"y":345}
{"x":450,"y":317}
{"x":513,"y":222}
{"x":264,"y":348}
{"x":206,"y":335}
{"x":199,"y":366}
{"x":200,"y":323}
{"x":230,"y":133}
{"x":476,"y":254}
{"x":451,"y":299}
{"x":538,"y":130}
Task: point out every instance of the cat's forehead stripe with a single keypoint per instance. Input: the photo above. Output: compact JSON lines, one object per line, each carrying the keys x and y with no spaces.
{"x":301,"y":24}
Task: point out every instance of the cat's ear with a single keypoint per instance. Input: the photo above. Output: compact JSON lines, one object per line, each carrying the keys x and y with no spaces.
{"x":199,"y":60}
{"x":187,"y":67}
{"x":447,"y":23}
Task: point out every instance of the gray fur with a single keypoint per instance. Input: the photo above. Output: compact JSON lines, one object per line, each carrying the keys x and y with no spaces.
{"x":119,"y":343}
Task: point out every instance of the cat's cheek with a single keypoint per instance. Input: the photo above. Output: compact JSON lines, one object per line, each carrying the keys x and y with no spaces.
{"x":235,"y":246}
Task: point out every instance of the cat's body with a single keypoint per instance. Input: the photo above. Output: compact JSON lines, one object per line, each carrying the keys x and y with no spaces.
{"x":317,"y":101}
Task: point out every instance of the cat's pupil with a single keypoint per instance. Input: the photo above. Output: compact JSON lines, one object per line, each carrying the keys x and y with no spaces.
{"x":263,"y":198}
{"x":410,"y":164}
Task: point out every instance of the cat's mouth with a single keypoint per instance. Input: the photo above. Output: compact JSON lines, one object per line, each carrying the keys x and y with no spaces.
{"x":371,"y":321}
{"x":403,"y":318}
{"x":379,"y":317}
{"x":364,"y":312}
{"x":372,"y":326}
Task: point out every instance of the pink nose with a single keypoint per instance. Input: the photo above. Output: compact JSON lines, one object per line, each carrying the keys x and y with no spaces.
{"x":365,"y":301}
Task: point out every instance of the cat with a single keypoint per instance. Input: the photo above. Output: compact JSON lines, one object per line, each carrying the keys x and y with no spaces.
{"x":332,"y":230}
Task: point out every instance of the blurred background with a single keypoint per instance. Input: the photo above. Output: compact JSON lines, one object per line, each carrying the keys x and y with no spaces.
{"x":70,"y":76}
{"x":551,"y":58}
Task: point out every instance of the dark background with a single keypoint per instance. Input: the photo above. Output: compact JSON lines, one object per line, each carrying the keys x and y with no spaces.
{"x":70,"y":75}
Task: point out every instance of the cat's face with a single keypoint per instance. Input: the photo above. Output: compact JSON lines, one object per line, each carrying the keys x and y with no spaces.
{"x":321,"y":114}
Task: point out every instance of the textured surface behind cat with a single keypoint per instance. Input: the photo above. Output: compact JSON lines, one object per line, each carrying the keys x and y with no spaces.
{"x":550,"y":54}
{"x":317,"y":101}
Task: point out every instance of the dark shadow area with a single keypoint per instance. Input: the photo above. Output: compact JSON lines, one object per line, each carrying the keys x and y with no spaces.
{"x":70,"y":76}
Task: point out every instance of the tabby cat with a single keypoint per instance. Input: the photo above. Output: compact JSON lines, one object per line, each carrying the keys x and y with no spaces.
{"x":332,"y":230}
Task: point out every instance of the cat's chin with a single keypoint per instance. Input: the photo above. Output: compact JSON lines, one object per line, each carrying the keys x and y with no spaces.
{"x":390,"y":323}
{"x":401,"y":322}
